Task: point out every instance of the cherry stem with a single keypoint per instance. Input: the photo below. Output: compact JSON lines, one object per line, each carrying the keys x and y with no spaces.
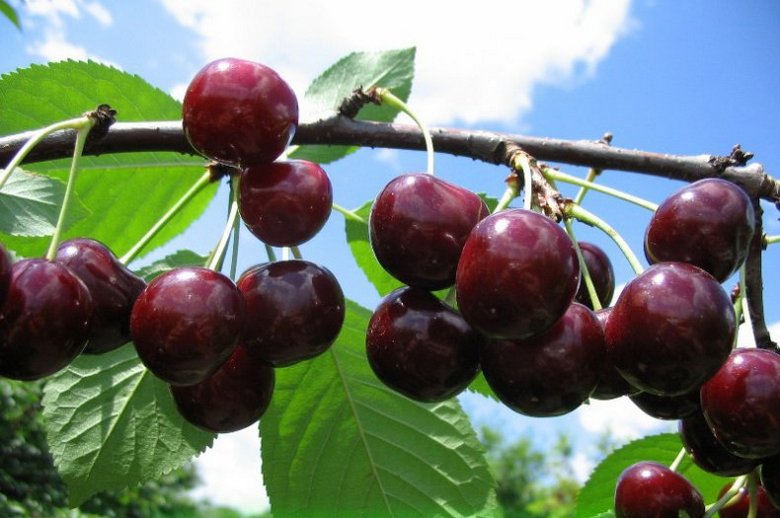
{"x":771,"y":240}
{"x":39,"y":135}
{"x":738,"y":484}
{"x":677,"y":460}
{"x":175,"y":208}
{"x":236,"y":230}
{"x":271,"y":254}
{"x":592,"y":174}
{"x":82,"y":131}
{"x":744,"y":304}
{"x":348,"y":213}
{"x":567,"y":178}
{"x":218,"y":255}
{"x":387,"y":97}
{"x":296,"y":252}
{"x":575,"y":211}
{"x":522,"y":162}
{"x":509,"y":194}
{"x":594,"y":298}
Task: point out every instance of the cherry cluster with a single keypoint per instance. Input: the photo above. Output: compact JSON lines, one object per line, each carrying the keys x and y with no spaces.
{"x":214,"y":341}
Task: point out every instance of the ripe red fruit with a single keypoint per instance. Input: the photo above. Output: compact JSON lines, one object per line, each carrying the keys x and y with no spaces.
{"x":112,"y":286}
{"x":418,"y":225}
{"x":742,"y":403}
{"x":667,"y":407}
{"x":671,"y":328}
{"x":551,"y":373}
{"x":650,"y":490}
{"x":295,"y":310}
{"x":186,"y":323}
{"x":707,"y":452}
{"x":611,"y":383}
{"x":232,"y":398}
{"x":601,"y":272}
{"x":420,"y":347}
{"x":741,"y":506}
{"x":517,"y":274}
{"x":708,"y":223}
{"x":5,"y":274}
{"x":285,"y":203}
{"x":45,"y":321}
{"x":239,"y":112}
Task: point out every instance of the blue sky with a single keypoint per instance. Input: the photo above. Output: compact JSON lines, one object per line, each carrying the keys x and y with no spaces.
{"x":691,"y":77}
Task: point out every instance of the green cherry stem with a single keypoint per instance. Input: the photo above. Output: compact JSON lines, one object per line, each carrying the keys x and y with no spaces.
{"x":771,"y":240}
{"x":78,"y":148}
{"x":349,"y":214}
{"x":236,"y":230}
{"x":509,"y":194}
{"x":594,"y":298}
{"x":387,"y":97}
{"x":191,"y":192}
{"x":78,"y":123}
{"x":744,"y":304}
{"x":522,"y":162}
{"x":575,"y":211}
{"x":218,"y":255}
{"x":590,"y":178}
{"x":296,"y":252}
{"x":677,"y":460}
{"x":270,"y":252}
{"x":567,"y":178}
{"x":738,"y":484}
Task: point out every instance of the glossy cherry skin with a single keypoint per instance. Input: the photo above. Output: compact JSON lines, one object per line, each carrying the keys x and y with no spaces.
{"x":611,"y":383}
{"x":5,"y":274}
{"x":601,"y":272}
{"x":418,"y":225}
{"x":667,"y":407}
{"x":740,"y":509}
{"x":650,"y":490}
{"x":707,"y":452}
{"x":232,"y":398}
{"x":770,"y":479}
{"x":239,"y":112}
{"x":295,"y":310}
{"x":45,"y":321}
{"x":285,"y":203}
{"x":708,"y":223}
{"x":420,"y":347}
{"x":517,"y":274}
{"x":671,"y":328}
{"x":186,"y":324}
{"x":742,"y":403}
{"x":551,"y":373}
{"x":112,"y":286}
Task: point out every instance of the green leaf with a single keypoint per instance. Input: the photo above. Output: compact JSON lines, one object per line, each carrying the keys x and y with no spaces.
{"x":598,"y":493}
{"x":179,"y":258}
{"x":30,"y":205}
{"x":392,"y":69}
{"x":125,"y":193}
{"x":110,"y":424}
{"x":10,"y":13}
{"x":337,"y":442}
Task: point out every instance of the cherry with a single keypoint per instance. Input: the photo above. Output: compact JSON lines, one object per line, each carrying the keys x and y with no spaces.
{"x":5,"y":274}
{"x":741,"y":504}
{"x":239,"y":112}
{"x":708,"y":223}
{"x":517,"y":274}
{"x":418,"y":225}
{"x":648,"y":489}
{"x":770,"y":479}
{"x":186,"y":323}
{"x":551,"y":373}
{"x":667,"y":407}
{"x":601,"y":272}
{"x":45,"y":321}
{"x":742,"y":403}
{"x":112,"y":286}
{"x":420,"y":347}
{"x":671,"y":329}
{"x":295,"y":310}
{"x":611,"y":383}
{"x":232,"y":398}
{"x":707,"y":452}
{"x":285,"y":203}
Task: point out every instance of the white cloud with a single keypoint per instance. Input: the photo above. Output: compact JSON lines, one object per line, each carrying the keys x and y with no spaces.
{"x":230,"y":472}
{"x":178,"y":90}
{"x":621,"y":417}
{"x":473,"y":64}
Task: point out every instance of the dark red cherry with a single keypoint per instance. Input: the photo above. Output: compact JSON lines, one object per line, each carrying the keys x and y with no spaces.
{"x":420,"y":347}
{"x":707,"y":452}
{"x":295,"y":310}
{"x":517,"y":275}
{"x":551,"y":373}
{"x":650,"y":490}
{"x":667,"y":407}
{"x":418,"y":225}
{"x":45,"y":321}
{"x":611,"y":383}
{"x":770,"y":479}
{"x":708,"y":223}
{"x":232,"y":398}
{"x":186,"y":324}
{"x":112,"y":286}
{"x":671,"y":328}
{"x":739,"y":505}
{"x":601,"y":272}
{"x":742,"y":403}
{"x":239,"y":112}
{"x":5,"y":274}
{"x":285,"y":203}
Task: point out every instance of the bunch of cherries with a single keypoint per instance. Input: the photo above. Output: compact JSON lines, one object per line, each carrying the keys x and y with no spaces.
{"x":215,"y":342}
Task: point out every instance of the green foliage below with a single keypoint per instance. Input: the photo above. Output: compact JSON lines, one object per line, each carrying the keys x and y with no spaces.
{"x":338,"y":442}
{"x":169,"y":262}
